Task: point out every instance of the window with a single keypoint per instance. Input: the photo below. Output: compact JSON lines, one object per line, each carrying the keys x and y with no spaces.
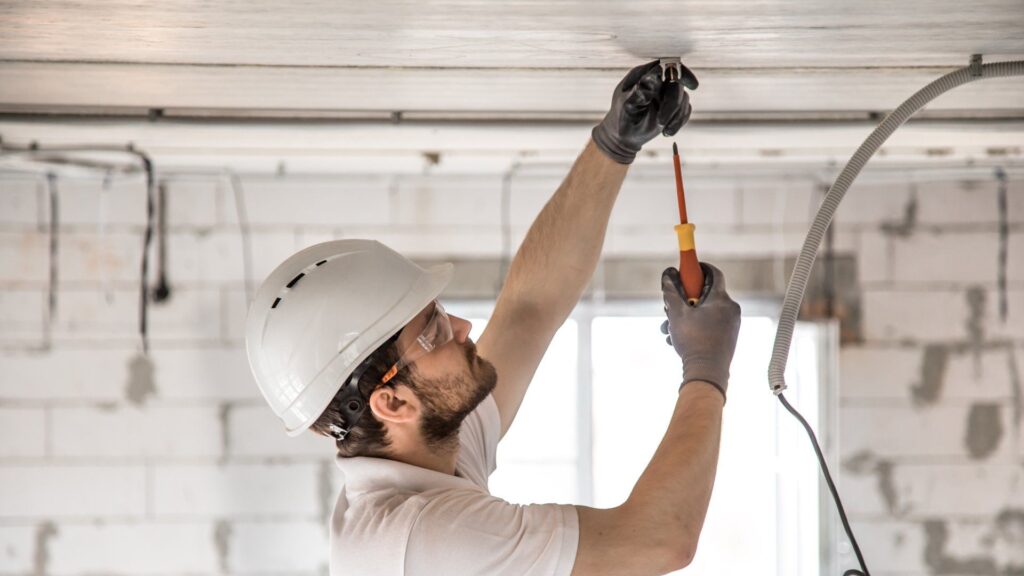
{"x":602,"y":399}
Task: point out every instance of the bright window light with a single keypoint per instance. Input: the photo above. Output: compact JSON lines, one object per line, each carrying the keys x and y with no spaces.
{"x":766,"y":495}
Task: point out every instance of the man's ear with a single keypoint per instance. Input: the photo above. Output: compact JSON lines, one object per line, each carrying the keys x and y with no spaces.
{"x":396,"y":404}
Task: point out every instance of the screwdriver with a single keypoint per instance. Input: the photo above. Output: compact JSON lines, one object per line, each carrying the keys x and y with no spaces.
{"x":690,"y":273}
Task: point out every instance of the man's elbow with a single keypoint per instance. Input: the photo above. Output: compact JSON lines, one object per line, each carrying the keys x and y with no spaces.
{"x":677,"y":555}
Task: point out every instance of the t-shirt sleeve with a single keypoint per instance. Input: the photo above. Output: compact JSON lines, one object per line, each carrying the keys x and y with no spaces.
{"x":476,"y":534}
{"x":479,"y":437}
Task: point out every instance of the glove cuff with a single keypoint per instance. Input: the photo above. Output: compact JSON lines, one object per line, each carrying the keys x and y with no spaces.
{"x":710,"y":372}
{"x":725,"y":398}
{"x":610,"y":147}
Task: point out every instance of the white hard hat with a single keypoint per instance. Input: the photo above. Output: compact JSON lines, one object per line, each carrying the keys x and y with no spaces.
{"x":322,"y":312}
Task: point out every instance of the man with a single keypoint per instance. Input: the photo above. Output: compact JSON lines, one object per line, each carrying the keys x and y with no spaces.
{"x":347,"y":338}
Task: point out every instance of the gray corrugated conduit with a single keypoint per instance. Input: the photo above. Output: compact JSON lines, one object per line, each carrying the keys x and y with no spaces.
{"x":802,"y":271}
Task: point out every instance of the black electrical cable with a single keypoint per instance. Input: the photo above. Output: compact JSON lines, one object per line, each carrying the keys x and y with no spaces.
{"x":831,"y":488}
{"x":162,"y":291}
{"x":43,"y":154}
{"x":1004,"y":235}
{"x":146,"y":241}
{"x":51,"y":307}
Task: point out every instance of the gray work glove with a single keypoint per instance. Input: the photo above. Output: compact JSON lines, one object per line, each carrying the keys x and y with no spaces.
{"x":704,"y":335}
{"x":643,"y":106}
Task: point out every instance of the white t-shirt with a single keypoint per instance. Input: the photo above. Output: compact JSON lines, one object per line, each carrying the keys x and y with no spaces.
{"x":395,"y":519}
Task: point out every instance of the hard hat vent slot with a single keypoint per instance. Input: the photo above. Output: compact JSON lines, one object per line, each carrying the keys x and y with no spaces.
{"x":296,"y":279}
{"x":321,"y":262}
{"x":276,"y":302}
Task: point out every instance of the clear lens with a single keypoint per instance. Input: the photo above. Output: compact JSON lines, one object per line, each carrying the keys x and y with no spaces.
{"x":436,"y":333}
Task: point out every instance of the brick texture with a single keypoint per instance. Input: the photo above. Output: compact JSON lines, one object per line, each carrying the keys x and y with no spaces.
{"x":105,"y":468}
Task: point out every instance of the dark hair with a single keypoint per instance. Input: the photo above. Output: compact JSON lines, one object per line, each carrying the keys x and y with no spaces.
{"x":368,"y":436}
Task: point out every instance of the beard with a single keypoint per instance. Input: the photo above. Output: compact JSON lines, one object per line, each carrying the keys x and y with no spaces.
{"x":447,"y":401}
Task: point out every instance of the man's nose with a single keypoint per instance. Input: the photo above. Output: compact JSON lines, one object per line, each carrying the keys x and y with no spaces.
{"x":460,"y":328}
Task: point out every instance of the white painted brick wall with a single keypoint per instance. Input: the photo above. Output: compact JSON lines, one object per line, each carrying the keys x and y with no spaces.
{"x":1013,"y":327}
{"x":362,"y":200}
{"x":72,"y":491}
{"x":207,"y":373}
{"x":58,"y":375}
{"x":465,"y":201}
{"x":938,"y":315}
{"x":194,"y":202}
{"x":650,"y":202}
{"x":17,"y":549}
{"x":901,"y":431}
{"x":137,"y":548}
{"x":162,"y":432}
{"x":958,"y":202}
{"x":869,"y":372}
{"x":19,"y":199}
{"x":24,"y":257}
{"x":528,"y":197}
{"x":871,"y":204}
{"x":959,"y":489}
{"x":114,"y":314}
{"x":304,"y":547}
{"x":254,"y":430}
{"x":957,"y":258}
{"x":1015,"y":264}
{"x":235,"y":490}
{"x":874,"y":372}
{"x":85,"y":201}
{"x":22,"y":432}
{"x":158,"y":488}
{"x":874,"y":258}
{"x":22,"y":314}
{"x":898,"y":543}
{"x":99,"y":257}
{"x":780,"y":203}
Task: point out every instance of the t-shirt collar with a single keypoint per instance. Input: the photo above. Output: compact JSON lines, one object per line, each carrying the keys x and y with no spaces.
{"x":366,"y":474}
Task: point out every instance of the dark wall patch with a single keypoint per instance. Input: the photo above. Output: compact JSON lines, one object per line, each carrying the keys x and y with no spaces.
{"x":887,"y":487}
{"x":984,"y":430}
{"x":866,"y":462}
{"x":41,"y":561}
{"x":976,"y":314}
{"x":906,"y":226}
{"x":933,"y":375}
{"x":141,"y":384}
{"x":936,"y":534}
{"x":222,"y":543}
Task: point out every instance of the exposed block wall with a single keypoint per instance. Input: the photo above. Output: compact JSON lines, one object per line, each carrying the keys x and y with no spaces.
{"x":111,"y":463}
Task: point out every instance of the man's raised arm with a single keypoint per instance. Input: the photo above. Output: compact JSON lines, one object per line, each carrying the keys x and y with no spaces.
{"x":558,"y":256}
{"x":656,"y":530}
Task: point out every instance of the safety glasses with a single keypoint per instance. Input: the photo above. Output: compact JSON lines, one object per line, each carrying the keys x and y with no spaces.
{"x":436,"y":333}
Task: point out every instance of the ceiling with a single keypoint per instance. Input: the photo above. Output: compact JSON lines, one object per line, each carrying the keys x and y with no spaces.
{"x":99,"y":67}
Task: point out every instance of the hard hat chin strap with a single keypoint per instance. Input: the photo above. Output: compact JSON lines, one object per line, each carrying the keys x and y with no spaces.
{"x":352,"y":404}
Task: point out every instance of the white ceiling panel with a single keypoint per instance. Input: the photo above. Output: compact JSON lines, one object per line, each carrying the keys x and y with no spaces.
{"x":481,"y":55}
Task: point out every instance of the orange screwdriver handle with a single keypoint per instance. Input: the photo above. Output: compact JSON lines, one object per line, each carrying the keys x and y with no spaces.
{"x":691,"y":275}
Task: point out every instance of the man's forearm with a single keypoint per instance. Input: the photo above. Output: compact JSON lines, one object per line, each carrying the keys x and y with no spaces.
{"x":672,"y":494}
{"x":558,"y":256}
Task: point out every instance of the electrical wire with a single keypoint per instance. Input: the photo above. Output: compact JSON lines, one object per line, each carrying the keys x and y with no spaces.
{"x":831,"y":487}
{"x":801,"y":272}
{"x":244,"y":232}
{"x":1004,"y":236}
{"x":47,"y":155}
{"x":146,"y":241}
{"x":51,"y":302}
{"x":162,"y":290}
{"x":506,"y":223}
